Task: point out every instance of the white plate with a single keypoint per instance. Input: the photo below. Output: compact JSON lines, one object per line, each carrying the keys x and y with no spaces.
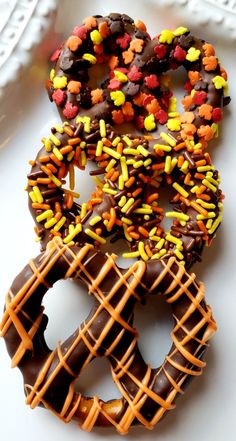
{"x":207,"y":410}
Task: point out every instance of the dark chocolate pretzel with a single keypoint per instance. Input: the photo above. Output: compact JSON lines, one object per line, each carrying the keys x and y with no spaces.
{"x":50,"y":375}
{"x":131,"y":171}
{"x":135,"y":88}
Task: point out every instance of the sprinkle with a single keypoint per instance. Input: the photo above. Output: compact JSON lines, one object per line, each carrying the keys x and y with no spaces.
{"x":179,"y":254}
{"x":120,"y":76}
{"x":209,"y":223}
{"x":50,"y":223}
{"x":45,"y":215}
{"x":48,"y":145}
{"x":89,"y":57}
{"x":99,"y":148}
{"x":109,"y":191}
{"x":147,"y":162}
{"x":149,"y":122}
{"x":180,"y":189}
{"x":173,"y":239}
{"x":209,"y":185}
{"x":126,"y":220}
{"x":59,"y":82}
{"x":124,"y":168}
{"x":96,"y":37}
{"x":116,"y":141}
{"x":219,"y":82}
{"x":127,"y":140}
{"x":110,"y":164}
{"x":70,"y":111}
{"x":142,"y":251}
{"x":95,"y":220}
{"x":60,"y":223}
{"x":102,"y":126}
{"x":127,"y":205}
{"x":87,"y":122}
{"x":111,"y":152}
{"x":127,"y":236}
{"x":38,"y":195}
{"x":57,"y":153}
{"x":131,"y":255}
{"x":193,"y":54}
{"x":174,"y":125}
{"x":181,"y":216}
{"x":204,"y":168}
{"x":185,"y":166}
{"x":118,"y":97}
{"x":167,"y":168}
{"x":166,"y":36}
{"x":138,"y":164}
{"x":210,"y":215}
{"x":143,"y":211}
{"x":142,"y":150}
{"x":199,"y":208}
{"x":32,"y":196}
{"x":165,"y":148}
{"x":59,"y":97}
{"x":78,"y":228}
{"x":52,"y":74}
{"x":180,"y":31}
{"x":171,"y":141}
{"x":206,"y":205}
{"x":160,"y":244}
{"x":74,"y":86}
{"x":130,"y":151}
{"x":151,"y":81}
{"x":55,"y":180}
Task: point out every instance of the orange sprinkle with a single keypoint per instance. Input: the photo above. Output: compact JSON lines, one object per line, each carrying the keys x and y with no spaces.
{"x":98,"y":49}
{"x":180,"y":161}
{"x":98,"y":231}
{"x":46,"y":170}
{"x":74,"y":141}
{"x":66,"y":149}
{"x":58,"y":215}
{"x":51,"y":167}
{"x":32,"y":162}
{"x":152,"y":197}
{"x":106,"y":142}
{"x":185,"y":201}
{"x":117,"y":117}
{"x":55,"y":233}
{"x":210,"y":63}
{"x":159,"y":166}
{"x":159,"y":231}
{"x":199,"y":176}
{"x":137,"y":192}
{"x":115,"y":176}
{"x":138,"y":99}
{"x":205,"y":111}
{"x":204,"y":196}
{"x":143,"y":178}
{"x":97,"y":96}
{"x":140,"y":25}
{"x":44,"y":158}
{"x":45,"y":181}
{"x":148,"y":251}
{"x":119,"y":148}
{"x":143,"y":231}
{"x":187,"y":178}
{"x":55,"y":160}
{"x":68,"y":130}
{"x":128,"y":111}
{"x":157,"y":209}
{"x":134,"y":235}
{"x":38,"y":206}
{"x":90,"y":22}
{"x":208,"y":158}
{"x":201,"y":189}
{"x":77,"y":153}
{"x":104,"y":29}
{"x":74,"y":86}
{"x":136,"y":45}
{"x":110,"y":173}
{"x":202,"y":227}
{"x":112,"y":219}
{"x":113,"y":62}
{"x":153,"y":106}
{"x":96,"y":201}
{"x":130,"y":181}
{"x":187,"y":101}
{"x":128,"y":56}
{"x":62,"y":172}
{"x":198,"y":208}
{"x":58,"y":207}
{"x":103,"y":164}
{"x":32,"y":182}
{"x":194,"y":77}
{"x":106,"y":216}
{"x":73,"y":42}
{"x":208,"y":49}
{"x":169,"y":179}
{"x":176,"y":197}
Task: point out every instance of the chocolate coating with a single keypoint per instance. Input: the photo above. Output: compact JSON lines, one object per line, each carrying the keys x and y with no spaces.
{"x":49,"y":374}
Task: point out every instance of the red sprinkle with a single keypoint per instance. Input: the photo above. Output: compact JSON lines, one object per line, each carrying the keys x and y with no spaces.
{"x":59,"y":97}
{"x":70,"y":111}
{"x":160,"y":50}
{"x":147,"y":100}
{"x":217,"y":114}
{"x":179,"y":54}
{"x":139,"y":121}
{"x":55,"y":55}
{"x":80,"y":31}
{"x":199,"y":98}
{"x":161,"y":116}
{"x":114,"y":84}
{"x":135,"y":74}
{"x":123,"y":41}
{"x":151,"y":81}
{"x":188,"y":86}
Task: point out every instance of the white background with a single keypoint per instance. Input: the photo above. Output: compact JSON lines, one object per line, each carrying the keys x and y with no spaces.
{"x":207,"y":410}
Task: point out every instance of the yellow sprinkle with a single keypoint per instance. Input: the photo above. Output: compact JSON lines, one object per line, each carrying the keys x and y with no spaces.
{"x":56,"y":181}
{"x":70,"y":155}
{"x":205,"y":204}
{"x":172,"y":104}
{"x":84,"y":208}
{"x":116,"y":141}
{"x":194,"y":189}
{"x":160,"y":244}
{"x":52,"y":74}
{"x":130,"y":151}
{"x":122,"y":201}
{"x":179,"y":254}
{"x":96,"y":36}
{"x":109,"y":191}
{"x":166,"y":36}
{"x":118,"y":97}
{"x":121,"y":182}
{"x":220,"y":206}
{"x":59,"y":128}
{"x":180,"y":31}
{"x":209,"y":185}
{"x":152,"y":231}
{"x":138,"y":164}
{"x":78,"y":228}
{"x":82,"y":144}
{"x":211,"y":214}
{"x":143,"y":151}
{"x":128,"y":204}
{"x":127,"y":140}
{"x":147,"y":162}
{"x":45,"y":215}
{"x":181,"y":216}
{"x":215,"y":129}
{"x":173,"y":239}
{"x":110,"y":165}
{"x":149,"y":122}
{"x":142,"y":252}
{"x":32,"y":196}
{"x":171,"y":141}
{"x":55,"y":140}
{"x":167,"y":168}
{"x":83,"y":158}
{"x":209,"y":223}
{"x":102,"y":126}
{"x":120,"y":76}
{"x":213,"y":181}
{"x":89,"y":57}
{"x":130,"y":161}
{"x":59,"y":82}
{"x":219,"y":82}
{"x":86,"y":120}
{"x":179,"y":247}
{"x":173,"y":114}
{"x":174,"y":125}
{"x":143,"y":211}
{"x":124,"y":168}
{"x":126,"y":220}
{"x":193,"y":54}
{"x":95,"y":220}
{"x":111,"y":152}
{"x":50,"y":223}
{"x":60,"y":223}
{"x":98,"y":181}
{"x":180,"y":189}
{"x":185,"y":166}
{"x":57,"y":153}
{"x":106,"y":222}
{"x":165,"y":148}
{"x":38,"y":194}
{"x":127,"y":236}
{"x":203,"y":168}
{"x":48,"y":145}
{"x":131,"y":255}
{"x":215,"y":224}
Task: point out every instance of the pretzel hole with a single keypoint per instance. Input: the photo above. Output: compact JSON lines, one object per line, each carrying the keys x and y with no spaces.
{"x":153,"y":321}
{"x":98,"y":73}
{"x":65,"y":314}
{"x":96,"y":380}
